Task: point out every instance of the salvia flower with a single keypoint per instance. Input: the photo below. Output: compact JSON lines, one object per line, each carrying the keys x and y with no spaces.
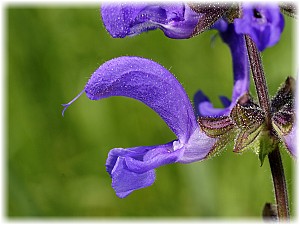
{"x":242,"y":120}
{"x":128,"y":19}
{"x":153,"y":85}
{"x":264,"y":23}
{"x":241,"y":71}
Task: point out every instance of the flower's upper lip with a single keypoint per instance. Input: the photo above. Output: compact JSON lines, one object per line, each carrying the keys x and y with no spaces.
{"x":176,"y":20}
{"x":150,"y":83}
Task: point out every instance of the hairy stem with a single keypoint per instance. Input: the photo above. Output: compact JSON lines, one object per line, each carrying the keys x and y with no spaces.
{"x":274,"y":157}
{"x":279,"y":184}
{"x":259,"y":79}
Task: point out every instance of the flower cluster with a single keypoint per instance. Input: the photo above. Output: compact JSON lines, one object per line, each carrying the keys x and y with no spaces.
{"x":153,"y":85}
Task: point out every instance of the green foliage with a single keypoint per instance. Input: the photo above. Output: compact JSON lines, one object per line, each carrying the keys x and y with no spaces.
{"x":267,"y":144}
{"x":55,"y":166}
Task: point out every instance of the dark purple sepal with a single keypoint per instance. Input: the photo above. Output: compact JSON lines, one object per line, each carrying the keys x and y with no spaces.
{"x":210,"y":14}
{"x":283,"y":114}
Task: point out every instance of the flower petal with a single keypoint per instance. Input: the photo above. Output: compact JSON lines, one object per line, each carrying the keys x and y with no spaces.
{"x":150,"y":83}
{"x":124,"y":181}
{"x":205,"y":108}
{"x":129,"y":19}
{"x":133,"y":168}
{"x":263,"y":22}
{"x":290,"y":141}
{"x":241,"y":72}
{"x":197,"y":148}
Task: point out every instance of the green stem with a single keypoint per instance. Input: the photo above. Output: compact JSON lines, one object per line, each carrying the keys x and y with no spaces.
{"x":274,"y":157}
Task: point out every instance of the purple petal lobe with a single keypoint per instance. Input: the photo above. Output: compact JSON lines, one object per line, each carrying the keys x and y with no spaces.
{"x":205,"y":108}
{"x":150,"y":83}
{"x":124,"y":181}
{"x":241,"y":72}
{"x":290,"y":141}
{"x":133,"y":168}
{"x":128,"y":19}
{"x":263,"y":22}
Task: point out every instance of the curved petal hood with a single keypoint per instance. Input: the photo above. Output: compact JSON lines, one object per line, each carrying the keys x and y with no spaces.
{"x":153,"y":85}
{"x":176,"y":20}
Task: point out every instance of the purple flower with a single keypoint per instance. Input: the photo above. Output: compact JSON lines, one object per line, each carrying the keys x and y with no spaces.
{"x":153,"y":85}
{"x":128,"y":19}
{"x":263,"y":22}
{"x":241,"y":72}
{"x":290,"y":141}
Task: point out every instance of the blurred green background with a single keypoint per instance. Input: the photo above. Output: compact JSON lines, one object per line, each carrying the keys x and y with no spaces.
{"x":56,"y":165}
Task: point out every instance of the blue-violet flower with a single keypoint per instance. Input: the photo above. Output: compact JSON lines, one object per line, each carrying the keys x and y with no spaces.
{"x":263,"y":22}
{"x":153,"y":85}
{"x":176,"y":20}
